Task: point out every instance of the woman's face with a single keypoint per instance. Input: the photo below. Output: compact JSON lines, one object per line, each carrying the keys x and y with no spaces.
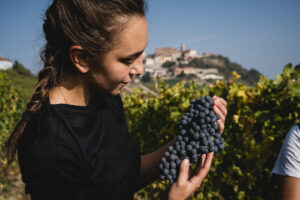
{"x":124,"y":60}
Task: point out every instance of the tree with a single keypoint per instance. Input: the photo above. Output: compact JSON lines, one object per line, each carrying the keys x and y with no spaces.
{"x":147,"y":77}
{"x":168,"y":64}
{"x":20,"y":68}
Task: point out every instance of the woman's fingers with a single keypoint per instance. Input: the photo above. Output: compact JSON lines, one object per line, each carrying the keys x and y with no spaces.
{"x":220,"y":108}
{"x":220,"y":112}
{"x":203,"y":170}
{"x":220,"y":122}
{"x":203,"y":157}
{"x":222,"y":101}
{"x":200,"y":163}
{"x":184,"y":172}
{"x":221,"y":126}
{"x":221,"y":105}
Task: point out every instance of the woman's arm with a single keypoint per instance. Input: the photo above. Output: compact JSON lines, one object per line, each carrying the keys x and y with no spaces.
{"x":288,"y":187}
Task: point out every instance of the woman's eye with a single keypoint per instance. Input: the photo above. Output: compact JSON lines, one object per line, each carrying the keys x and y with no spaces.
{"x":128,"y":62}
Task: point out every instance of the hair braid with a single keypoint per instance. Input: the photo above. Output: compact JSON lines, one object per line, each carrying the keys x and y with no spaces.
{"x":46,"y":81}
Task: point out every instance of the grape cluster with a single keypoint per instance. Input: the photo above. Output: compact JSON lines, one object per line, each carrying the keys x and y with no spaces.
{"x":197,"y":135}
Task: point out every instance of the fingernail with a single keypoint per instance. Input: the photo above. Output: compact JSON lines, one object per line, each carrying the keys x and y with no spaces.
{"x":186,"y":162}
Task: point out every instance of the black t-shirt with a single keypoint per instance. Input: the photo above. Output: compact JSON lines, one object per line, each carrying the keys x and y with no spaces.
{"x":79,"y":152}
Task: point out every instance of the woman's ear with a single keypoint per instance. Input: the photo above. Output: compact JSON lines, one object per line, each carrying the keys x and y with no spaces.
{"x":76,"y":56}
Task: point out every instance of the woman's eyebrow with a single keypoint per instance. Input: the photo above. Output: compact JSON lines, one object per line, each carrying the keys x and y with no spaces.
{"x":134,"y":55}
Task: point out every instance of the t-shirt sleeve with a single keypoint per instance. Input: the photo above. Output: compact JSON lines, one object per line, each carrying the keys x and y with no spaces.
{"x":288,"y":160}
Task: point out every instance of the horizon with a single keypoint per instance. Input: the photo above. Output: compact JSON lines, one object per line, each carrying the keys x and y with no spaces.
{"x":263,"y":35}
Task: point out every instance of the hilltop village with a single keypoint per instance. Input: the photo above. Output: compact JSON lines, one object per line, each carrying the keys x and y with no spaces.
{"x":168,"y":62}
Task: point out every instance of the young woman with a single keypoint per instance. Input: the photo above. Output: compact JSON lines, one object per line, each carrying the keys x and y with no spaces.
{"x":287,"y":167}
{"x":73,"y":141}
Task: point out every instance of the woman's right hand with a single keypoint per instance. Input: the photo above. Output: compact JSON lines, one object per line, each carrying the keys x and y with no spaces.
{"x":185,"y":187}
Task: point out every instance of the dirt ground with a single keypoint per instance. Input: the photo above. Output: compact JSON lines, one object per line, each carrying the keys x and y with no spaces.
{"x":12,"y":186}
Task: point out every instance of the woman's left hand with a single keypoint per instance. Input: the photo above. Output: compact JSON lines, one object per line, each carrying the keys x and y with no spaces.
{"x":220,"y":109}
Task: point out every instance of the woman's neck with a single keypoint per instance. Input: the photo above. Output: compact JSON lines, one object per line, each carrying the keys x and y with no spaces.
{"x":72,"y":91}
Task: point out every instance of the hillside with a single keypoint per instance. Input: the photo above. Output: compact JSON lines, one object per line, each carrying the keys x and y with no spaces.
{"x":225,"y":66}
{"x":22,"y":79}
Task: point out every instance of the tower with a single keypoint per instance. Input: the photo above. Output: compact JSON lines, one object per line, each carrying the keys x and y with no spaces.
{"x":182,"y":47}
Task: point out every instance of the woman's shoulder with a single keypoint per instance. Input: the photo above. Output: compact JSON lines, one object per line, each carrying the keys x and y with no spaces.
{"x":44,"y":125}
{"x":293,"y":135}
{"x":288,"y":160}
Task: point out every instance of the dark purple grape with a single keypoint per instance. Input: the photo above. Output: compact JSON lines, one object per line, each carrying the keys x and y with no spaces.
{"x":178,"y":161}
{"x":184,"y":122}
{"x":173,"y":172}
{"x":166,"y":172}
{"x":196,"y":136}
{"x":216,"y":126}
{"x":202,"y":121}
{"x":167,"y":154}
{"x":189,"y":147}
{"x":202,"y":135}
{"x":202,"y":101}
{"x":207,"y":105}
{"x":194,"y":151}
{"x":207,"y":119}
{"x":214,"y":119}
{"x":183,"y":132}
{"x":173,"y":157}
{"x":201,"y":114}
{"x":186,"y":139}
{"x":206,"y":111}
{"x":173,"y":165}
{"x":221,"y":146}
{"x":166,"y":165}
{"x":205,"y":142}
{"x":211,"y":131}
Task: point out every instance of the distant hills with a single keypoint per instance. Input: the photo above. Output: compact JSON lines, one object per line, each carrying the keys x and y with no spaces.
{"x":225,"y":66}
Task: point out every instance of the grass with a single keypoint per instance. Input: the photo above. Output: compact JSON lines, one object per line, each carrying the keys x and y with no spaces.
{"x":23,"y":83}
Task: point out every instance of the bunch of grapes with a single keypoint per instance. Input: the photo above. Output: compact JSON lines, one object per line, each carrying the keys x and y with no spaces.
{"x":198,"y":134}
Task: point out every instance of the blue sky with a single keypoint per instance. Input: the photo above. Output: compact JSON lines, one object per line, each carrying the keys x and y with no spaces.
{"x":260,"y":34}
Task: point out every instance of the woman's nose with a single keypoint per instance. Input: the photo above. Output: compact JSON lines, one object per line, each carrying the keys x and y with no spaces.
{"x":138,"y":68}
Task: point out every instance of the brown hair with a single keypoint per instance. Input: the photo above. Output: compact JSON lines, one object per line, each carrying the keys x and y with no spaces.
{"x":91,"y":24}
